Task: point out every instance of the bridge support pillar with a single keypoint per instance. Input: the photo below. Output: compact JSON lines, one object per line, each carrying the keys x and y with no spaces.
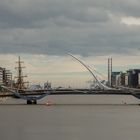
{"x":31,"y":101}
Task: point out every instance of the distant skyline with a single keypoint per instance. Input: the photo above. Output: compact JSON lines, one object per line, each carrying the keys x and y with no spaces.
{"x":64,"y":70}
{"x":43,"y":31}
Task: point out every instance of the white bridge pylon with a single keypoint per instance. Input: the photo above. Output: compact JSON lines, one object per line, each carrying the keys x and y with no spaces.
{"x":101,"y":85}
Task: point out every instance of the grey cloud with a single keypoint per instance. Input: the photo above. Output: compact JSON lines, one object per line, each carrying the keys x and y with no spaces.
{"x":15,"y":13}
{"x":76,"y":26}
{"x":126,"y":7}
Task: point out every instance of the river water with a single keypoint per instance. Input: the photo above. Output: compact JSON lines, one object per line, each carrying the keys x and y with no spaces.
{"x":69,"y":122}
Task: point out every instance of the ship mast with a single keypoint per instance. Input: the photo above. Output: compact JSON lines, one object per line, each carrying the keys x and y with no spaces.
{"x":20,"y":84}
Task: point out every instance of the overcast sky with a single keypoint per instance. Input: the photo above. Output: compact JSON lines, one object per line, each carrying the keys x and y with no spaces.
{"x":93,"y":30}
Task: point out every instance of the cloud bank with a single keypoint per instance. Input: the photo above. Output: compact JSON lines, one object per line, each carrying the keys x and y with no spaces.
{"x":91,"y":27}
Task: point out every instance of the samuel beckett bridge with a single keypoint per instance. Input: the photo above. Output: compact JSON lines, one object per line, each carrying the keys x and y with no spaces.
{"x":98,"y":88}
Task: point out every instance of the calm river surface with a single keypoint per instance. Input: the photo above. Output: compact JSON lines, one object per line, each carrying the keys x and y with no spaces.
{"x":69,"y":122}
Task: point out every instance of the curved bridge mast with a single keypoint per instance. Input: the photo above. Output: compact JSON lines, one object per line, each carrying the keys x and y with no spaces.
{"x":101,"y":85}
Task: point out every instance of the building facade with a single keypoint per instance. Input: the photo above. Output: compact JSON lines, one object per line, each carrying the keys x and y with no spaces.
{"x":5,"y":77}
{"x":133,"y":78}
